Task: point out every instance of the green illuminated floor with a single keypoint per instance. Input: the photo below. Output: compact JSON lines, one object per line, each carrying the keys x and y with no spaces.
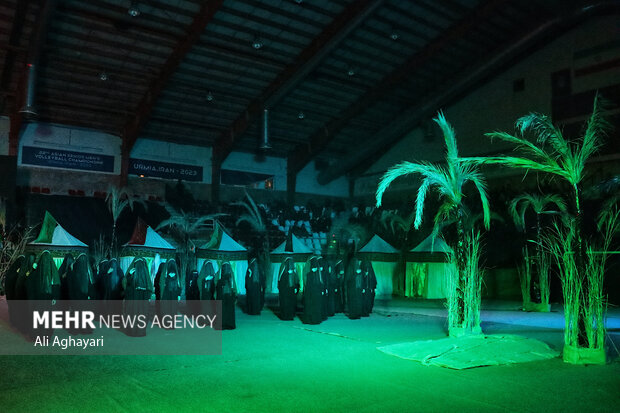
{"x":271,"y":366}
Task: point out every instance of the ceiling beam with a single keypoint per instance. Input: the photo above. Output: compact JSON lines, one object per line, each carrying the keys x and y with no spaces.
{"x":303,"y":154}
{"x":347,"y":21}
{"x":135,"y":123}
{"x":489,"y":65}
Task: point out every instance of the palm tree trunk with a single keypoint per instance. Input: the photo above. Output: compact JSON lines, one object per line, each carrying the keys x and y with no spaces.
{"x":461,"y":269}
{"x":113,"y":251}
{"x":580,"y":263}
{"x":535,"y":274}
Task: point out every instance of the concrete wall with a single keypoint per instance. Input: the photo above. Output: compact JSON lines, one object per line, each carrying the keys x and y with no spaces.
{"x":269,"y":165}
{"x":307,"y":183}
{"x":495,"y":106}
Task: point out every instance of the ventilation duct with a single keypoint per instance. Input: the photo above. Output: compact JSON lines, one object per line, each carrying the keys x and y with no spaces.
{"x":265,"y":144}
{"x":28,"y":109}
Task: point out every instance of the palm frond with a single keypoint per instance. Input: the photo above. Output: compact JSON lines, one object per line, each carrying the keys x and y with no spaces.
{"x":395,"y":172}
{"x":419,"y":203}
{"x":555,"y":199}
{"x":480,"y":185}
{"x":442,"y":217}
{"x":520,"y":163}
{"x":449,"y":136}
{"x":257,"y":225}
{"x":597,"y":128}
{"x":545,"y":131}
{"x":253,"y":214}
{"x":518,"y":214}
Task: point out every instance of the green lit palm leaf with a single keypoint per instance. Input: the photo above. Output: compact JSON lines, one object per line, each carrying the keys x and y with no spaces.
{"x":553,"y":153}
{"x":447,"y":181}
{"x":252,"y":215}
{"x":538,"y":203}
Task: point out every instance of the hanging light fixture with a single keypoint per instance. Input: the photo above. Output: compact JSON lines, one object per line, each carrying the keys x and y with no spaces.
{"x":103,"y":76}
{"x":265,"y":144}
{"x":209,"y":97}
{"x":257,"y":43}
{"x":301,"y":115}
{"x":134,"y":10}
{"x":351,"y":71}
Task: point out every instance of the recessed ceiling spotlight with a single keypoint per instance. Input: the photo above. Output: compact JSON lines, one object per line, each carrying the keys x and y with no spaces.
{"x":133,"y":10}
{"x":103,"y":76}
{"x":257,"y":43}
{"x":301,"y":115}
{"x":209,"y":97}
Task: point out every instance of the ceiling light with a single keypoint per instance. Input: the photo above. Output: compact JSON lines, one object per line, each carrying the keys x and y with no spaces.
{"x":209,"y":97}
{"x":103,"y":76}
{"x":257,"y":43}
{"x":301,"y":115}
{"x":299,"y":1}
{"x":351,"y":71}
{"x":134,"y":10}
{"x":394,"y":35}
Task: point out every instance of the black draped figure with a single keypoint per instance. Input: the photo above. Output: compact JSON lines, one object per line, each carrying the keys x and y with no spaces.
{"x":253,"y":293}
{"x":79,"y":279}
{"x":313,"y":293}
{"x":20,"y":292}
{"x":323,"y":270}
{"x":288,"y":287}
{"x":44,"y":282}
{"x":102,"y":271}
{"x":365,"y":289}
{"x":138,"y":291}
{"x":206,"y":282}
{"x":43,"y":286}
{"x":225,"y":291}
{"x":353,"y":284}
{"x":170,"y":289}
{"x":112,"y":281}
{"x":263,"y":285}
{"x":161,"y":271}
{"x":80,"y":285}
{"x":338,"y":278}
{"x":192,"y":288}
{"x":192,"y":292}
{"x":63,"y":272}
{"x":370,"y":285}
{"x":10,"y":286}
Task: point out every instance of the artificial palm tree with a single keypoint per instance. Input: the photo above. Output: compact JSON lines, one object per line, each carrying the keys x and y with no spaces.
{"x":184,"y":226}
{"x":398,"y":225}
{"x":448,"y":181}
{"x":254,"y":218}
{"x":552,"y":153}
{"x":118,"y":200}
{"x":539,"y":204}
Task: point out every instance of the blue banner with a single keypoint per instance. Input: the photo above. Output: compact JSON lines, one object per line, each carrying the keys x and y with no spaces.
{"x":58,"y":158}
{"x":166,"y":170}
